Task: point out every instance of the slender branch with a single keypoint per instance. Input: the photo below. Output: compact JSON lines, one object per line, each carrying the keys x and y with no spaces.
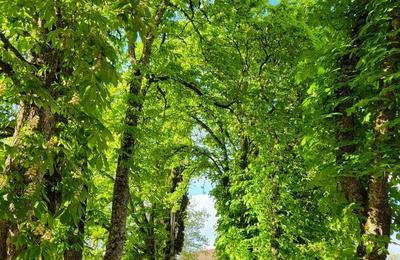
{"x":164,"y":97}
{"x":132,"y":51}
{"x":263,"y":64}
{"x":163,"y":38}
{"x":215,"y":137}
{"x":108,"y":176}
{"x":191,"y":20}
{"x":237,"y":47}
{"x":209,"y":156}
{"x":209,"y":130}
{"x":220,"y":125}
{"x":204,"y":13}
{"x":190,"y":86}
{"x":191,"y":7}
{"x":144,"y":59}
{"x":6,"y":68}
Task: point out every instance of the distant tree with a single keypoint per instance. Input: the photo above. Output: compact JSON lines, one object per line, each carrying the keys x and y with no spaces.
{"x":194,"y":239}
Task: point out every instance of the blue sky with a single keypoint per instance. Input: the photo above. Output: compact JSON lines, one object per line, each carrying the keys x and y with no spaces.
{"x":200,"y":186}
{"x":274,"y":2}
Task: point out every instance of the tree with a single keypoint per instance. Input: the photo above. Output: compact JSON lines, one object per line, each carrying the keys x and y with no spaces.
{"x":117,"y":236}
{"x":194,"y":240}
{"x":367,"y":191}
{"x":45,"y":62}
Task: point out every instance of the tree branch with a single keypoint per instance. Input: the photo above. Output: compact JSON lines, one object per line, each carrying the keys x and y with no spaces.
{"x":9,"y":46}
{"x":209,"y":156}
{"x":214,"y":136}
{"x":6,"y":69}
{"x":7,"y":131}
{"x":144,"y":59}
{"x":191,"y":20}
{"x":192,"y":87}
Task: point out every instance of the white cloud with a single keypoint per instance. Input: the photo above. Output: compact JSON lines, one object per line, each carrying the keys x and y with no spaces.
{"x":394,"y":247}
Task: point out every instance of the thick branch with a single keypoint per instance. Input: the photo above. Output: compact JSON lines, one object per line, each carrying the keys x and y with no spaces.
{"x":7,"y":131}
{"x":6,"y":69}
{"x":9,"y":46}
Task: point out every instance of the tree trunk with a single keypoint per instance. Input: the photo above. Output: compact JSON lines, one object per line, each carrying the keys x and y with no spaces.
{"x":379,"y":211}
{"x":52,"y":181}
{"x":117,"y":234}
{"x":77,"y":240}
{"x":150,"y":240}
{"x":379,"y":216}
{"x":25,"y":180}
{"x":3,"y":239}
{"x":353,"y":186}
{"x":176,"y":221}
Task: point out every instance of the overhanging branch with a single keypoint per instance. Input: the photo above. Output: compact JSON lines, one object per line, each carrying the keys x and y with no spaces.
{"x":192,"y":87}
{"x":6,"y":69}
{"x":214,"y":136}
{"x":6,"y":131}
{"x":10,"y":47}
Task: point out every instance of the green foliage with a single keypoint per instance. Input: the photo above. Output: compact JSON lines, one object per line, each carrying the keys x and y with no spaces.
{"x":244,"y":92}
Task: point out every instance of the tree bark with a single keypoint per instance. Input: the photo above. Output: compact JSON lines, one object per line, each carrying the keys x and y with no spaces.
{"x":117,"y":234}
{"x":353,"y":187}
{"x":176,"y":224}
{"x":25,"y":180}
{"x":379,"y":216}
{"x":379,"y":211}
{"x":345,"y":127}
{"x":3,"y":239}
{"x":77,"y":240}
{"x":52,"y":181}
{"x":24,"y":174}
{"x":150,"y":240}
